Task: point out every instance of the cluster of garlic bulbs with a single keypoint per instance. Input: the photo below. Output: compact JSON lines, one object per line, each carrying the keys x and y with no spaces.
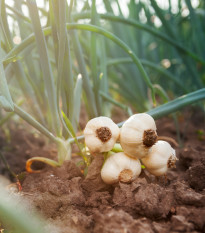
{"x":138,"y":140}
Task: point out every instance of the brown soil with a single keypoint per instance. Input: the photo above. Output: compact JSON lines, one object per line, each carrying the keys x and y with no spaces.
{"x":77,"y":204}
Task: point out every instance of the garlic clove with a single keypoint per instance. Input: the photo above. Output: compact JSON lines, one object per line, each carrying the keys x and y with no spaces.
{"x":138,"y":134}
{"x":161,"y":157}
{"x":120,"y":167}
{"x":101,"y":134}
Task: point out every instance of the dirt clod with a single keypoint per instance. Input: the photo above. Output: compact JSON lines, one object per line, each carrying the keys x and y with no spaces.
{"x":196,"y":175}
{"x":93,"y":181}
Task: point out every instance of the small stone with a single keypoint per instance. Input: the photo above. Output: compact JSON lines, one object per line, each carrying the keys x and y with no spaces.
{"x":187,"y":196}
{"x":75,"y":219}
{"x":160,"y":227}
{"x":180,"y":224}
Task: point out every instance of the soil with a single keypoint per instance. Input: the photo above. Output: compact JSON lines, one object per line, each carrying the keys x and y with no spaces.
{"x":74,"y":203}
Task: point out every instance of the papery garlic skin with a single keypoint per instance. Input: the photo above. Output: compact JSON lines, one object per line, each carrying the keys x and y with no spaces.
{"x":120,"y":167}
{"x":138,"y":134}
{"x":101,"y":134}
{"x":161,"y":157}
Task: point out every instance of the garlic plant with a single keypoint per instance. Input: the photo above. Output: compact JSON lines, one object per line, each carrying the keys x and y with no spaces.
{"x":120,"y":167}
{"x":138,"y":140}
{"x":138,"y":135}
{"x":101,"y":134}
{"x":161,"y":157}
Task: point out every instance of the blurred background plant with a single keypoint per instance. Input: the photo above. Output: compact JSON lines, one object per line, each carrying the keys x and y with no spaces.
{"x":57,"y":55}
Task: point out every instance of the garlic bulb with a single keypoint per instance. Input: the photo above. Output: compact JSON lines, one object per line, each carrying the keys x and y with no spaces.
{"x":161,"y":157}
{"x":120,"y":167}
{"x":138,"y":134}
{"x":101,"y":133}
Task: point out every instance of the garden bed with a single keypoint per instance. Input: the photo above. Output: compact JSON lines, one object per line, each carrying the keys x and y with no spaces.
{"x":73,"y":203}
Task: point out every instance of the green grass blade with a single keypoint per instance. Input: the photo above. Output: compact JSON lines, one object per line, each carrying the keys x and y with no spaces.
{"x":17,"y":66}
{"x":72,"y":131}
{"x":30,"y":86}
{"x":116,"y":103}
{"x":5,"y":96}
{"x":177,"y":104}
{"x":45,"y":65}
{"x":151,"y":65}
{"x":77,"y":100}
{"x":54,"y":28}
{"x":92,"y":109}
{"x":94,"y":59}
{"x":143,"y":27}
{"x":169,"y":29}
{"x":198,"y":34}
{"x":119,"y":42}
{"x":86,"y":82}
{"x":162,"y":18}
{"x":69,"y":125}
{"x":65,"y":83}
{"x":104,"y":86}
{"x":18,"y":13}
{"x":65,"y":59}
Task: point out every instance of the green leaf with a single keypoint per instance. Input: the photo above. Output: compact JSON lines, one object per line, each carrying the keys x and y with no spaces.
{"x":69,"y":125}
{"x":5,"y":96}
{"x":77,"y":100}
{"x":177,"y":104}
{"x":45,"y":65}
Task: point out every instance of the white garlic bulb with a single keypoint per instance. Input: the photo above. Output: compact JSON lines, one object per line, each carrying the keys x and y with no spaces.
{"x":138,"y":134}
{"x":101,"y":134}
{"x":120,"y":167}
{"x":161,"y":157}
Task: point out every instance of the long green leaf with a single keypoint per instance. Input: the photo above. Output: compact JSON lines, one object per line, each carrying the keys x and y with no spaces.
{"x":65,"y":58}
{"x":77,"y":101}
{"x":149,"y":64}
{"x":178,"y":104}
{"x":94,"y":59}
{"x":45,"y":65}
{"x":5,"y":96}
{"x":143,"y":27}
{"x":92,"y":108}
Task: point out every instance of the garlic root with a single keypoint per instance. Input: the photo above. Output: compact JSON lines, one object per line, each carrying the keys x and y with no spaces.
{"x":120,"y":167}
{"x":138,"y":135}
{"x":101,"y":134}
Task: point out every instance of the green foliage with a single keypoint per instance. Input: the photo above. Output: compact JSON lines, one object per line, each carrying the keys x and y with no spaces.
{"x":61,"y":56}
{"x":130,"y":57}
